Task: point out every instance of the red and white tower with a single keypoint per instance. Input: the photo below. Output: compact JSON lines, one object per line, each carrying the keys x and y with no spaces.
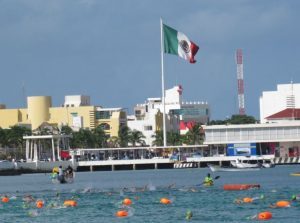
{"x":240,"y":78}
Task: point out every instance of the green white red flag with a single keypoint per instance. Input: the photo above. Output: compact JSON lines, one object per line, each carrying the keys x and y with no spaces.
{"x":179,"y":44}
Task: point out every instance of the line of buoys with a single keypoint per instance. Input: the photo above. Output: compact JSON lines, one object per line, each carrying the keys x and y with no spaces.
{"x":165,"y":201}
{"x":283,"y":204}
{"x":39,"y":203}
{"x":121,"y":213}
{"x":70,"y":203}
{"x":5,"y":199}
{"x":240,"y":186}
{"x":127,"y":201}
{"x":266,"y":215}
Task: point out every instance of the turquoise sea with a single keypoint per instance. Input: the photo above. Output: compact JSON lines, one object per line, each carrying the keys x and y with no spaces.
{"x":99,"y":196}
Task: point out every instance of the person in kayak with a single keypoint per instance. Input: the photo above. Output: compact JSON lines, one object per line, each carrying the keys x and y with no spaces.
{"x":208,"y":180}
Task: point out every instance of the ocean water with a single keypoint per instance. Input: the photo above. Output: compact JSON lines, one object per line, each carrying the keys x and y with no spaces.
{"x":99,"y":196}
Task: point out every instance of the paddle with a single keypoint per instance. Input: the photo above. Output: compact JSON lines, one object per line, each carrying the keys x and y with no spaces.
{"x":217,"y":177}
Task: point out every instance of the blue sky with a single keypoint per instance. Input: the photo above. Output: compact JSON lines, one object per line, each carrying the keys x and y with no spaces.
{"x":110,"y":50}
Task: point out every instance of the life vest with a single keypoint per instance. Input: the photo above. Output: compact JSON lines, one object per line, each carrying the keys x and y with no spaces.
{"x":208,"y":180}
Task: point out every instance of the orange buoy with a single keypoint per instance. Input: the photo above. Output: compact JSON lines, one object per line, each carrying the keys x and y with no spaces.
{"x":165,"y":201}
{"x":70,"y":203}
{"x":121,"y":213}
{"x":39,"y":203}
{"x":283,"y":204}
{"x":266,"y":215}
{"x":127,"y":201}
{"x":240,"y":186}
{"x":5,"y":199}
{"x":247,"y":200}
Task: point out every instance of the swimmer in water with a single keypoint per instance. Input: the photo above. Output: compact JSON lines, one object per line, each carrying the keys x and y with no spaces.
{"x":28,"y":198}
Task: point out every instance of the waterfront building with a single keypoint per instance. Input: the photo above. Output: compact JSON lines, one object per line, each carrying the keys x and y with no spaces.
{"x":282,"y":105}
{"x":76,"y":112}
{"x":180,"y":115}
{"x":278,"y":139}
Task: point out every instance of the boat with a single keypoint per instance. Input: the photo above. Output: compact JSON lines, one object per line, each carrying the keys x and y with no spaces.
{"x":208,"y":184}
{"x":216,"y":168}
{"x":269,"y":164}
{"x":242,"y":164}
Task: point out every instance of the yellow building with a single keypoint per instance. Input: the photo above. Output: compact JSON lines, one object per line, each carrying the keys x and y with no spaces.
{"x":76,"y":113}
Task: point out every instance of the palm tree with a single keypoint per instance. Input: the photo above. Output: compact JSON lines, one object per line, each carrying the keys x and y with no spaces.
{"x":100,"y":137}
{"x":195,"y":135}
{"x":135,"y":137}
{"x":158,"y":141}
{"x":14,"y":139}
{"x":2,"y":137}
{"x":66,"y":130}
{"x":174,"y":138}
{"x":4,"y":142}
{"x":114,"y":142}
{"x":82,"y":139}
{"x":124,"y":136}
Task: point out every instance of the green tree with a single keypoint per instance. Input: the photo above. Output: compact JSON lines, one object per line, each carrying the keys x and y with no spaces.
{"x":4,"y":143}
{"x":124,"y":136}
{"x":100,"y":137}
{"x":114,"y":142}
{"x":14,"y":140}
{"x":135,"y":137}
{"x":218,"y":122}
{"x":235,"y":119}
{"x":3,"y":140}
{"x":195,"y":135}
{"x":174,"y":139}
{"x":82,"y":139}
{"x":242,"y":119}
{"x":158,"y":138}
{"x":66,"y":130}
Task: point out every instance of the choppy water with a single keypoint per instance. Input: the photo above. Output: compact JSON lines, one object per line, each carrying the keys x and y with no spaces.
{"x":99,"y":196}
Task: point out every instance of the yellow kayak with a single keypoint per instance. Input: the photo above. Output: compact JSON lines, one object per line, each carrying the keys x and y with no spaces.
{"x":297,"y":174}
{"x":209,"y":184}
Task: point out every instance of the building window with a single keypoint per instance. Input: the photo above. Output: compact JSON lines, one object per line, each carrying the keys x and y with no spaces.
{"x":148,"y":128}
{"x":102,"y":115}
{"x":74,"y":114}
{"x":105,"y":126}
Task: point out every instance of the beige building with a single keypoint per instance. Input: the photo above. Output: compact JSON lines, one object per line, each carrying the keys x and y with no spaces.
{"x":76,"y":112}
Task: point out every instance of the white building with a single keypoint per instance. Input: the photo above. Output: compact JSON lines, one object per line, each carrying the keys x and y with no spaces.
{"x":280,"y":105}
{"x":77,"y":100}
{"x":148,"y":116}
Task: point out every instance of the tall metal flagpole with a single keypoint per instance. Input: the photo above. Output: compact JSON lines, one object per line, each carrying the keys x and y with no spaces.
{"x":163,"y":82}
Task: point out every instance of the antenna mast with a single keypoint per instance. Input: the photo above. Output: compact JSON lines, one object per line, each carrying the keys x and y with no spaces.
{"x":240,"y":79}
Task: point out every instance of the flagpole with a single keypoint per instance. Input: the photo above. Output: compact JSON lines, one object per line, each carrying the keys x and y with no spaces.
{"x":163,"y":83}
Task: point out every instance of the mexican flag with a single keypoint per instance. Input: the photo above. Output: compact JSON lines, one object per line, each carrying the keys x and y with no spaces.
{"x":179,"y":44}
